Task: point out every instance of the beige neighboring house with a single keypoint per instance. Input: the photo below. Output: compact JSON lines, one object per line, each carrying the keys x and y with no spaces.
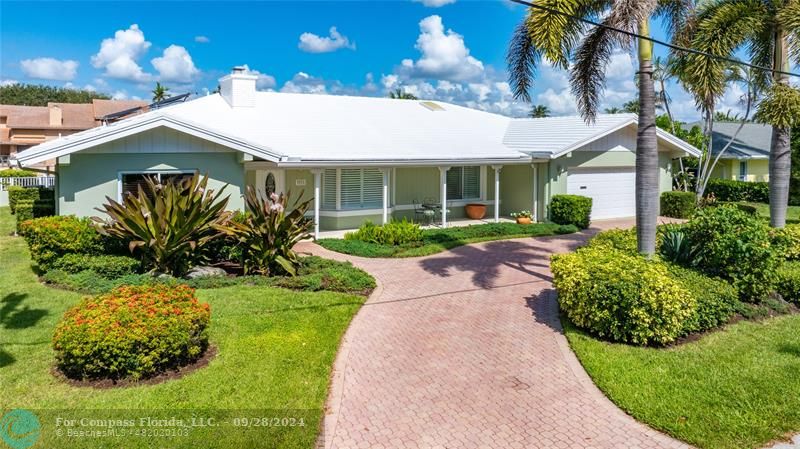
{"x":22,"y":127}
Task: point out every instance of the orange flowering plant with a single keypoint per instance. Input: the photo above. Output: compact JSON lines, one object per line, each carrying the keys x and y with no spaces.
{"x":132,"y":332}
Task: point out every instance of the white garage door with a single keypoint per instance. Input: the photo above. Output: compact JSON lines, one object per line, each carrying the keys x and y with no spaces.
{"x":612,"y":190}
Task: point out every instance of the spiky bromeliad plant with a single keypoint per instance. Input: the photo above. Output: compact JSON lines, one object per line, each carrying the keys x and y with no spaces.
{"x":168,"y":224}
{"x":269,"y":232}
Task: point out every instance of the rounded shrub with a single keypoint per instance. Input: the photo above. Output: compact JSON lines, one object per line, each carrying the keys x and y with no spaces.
{"x":716,"y":299}
{"x":788,"y":285}
{"x":132,"y":332}
{"x":786,"y":240}
{"x":571,"y":209}
{"x":52,"y":237}
{"x":734,"y":245}
{"x":107,"y":266}
{"x":621,"y":297}
{"x":678,"y":204}
{"x":393,"y":233}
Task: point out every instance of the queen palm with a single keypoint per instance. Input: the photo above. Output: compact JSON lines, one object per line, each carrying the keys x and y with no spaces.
{"x":160,"y":92}
{"x":766,"y":30}
{"x":561,"y":39}
{"x":539,"y":111}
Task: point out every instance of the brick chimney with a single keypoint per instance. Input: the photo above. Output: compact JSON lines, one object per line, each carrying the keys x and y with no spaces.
{"x":239,"y":88}
{"x":56,"y":117}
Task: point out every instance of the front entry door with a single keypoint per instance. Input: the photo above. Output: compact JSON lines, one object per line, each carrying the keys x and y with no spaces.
{"x":270,"y":181}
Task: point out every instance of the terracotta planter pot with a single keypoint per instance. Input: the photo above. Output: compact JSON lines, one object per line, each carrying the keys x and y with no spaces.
{"x":524,"y":220}
{"x":475,"y":211}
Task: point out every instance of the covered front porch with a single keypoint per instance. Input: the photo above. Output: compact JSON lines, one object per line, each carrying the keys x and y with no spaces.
{"x":344,"y":197}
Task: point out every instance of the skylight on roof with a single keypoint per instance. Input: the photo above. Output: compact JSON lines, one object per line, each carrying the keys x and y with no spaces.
{"x":431,"y":106}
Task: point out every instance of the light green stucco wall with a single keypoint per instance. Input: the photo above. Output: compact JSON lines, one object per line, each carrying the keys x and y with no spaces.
{"x":516,"y":188}
{"x":307,"y":190}
{"x":89,"y":178}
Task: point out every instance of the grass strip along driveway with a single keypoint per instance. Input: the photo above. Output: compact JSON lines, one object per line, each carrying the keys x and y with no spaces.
{"x":438,"y":240}
{"x":275,"y":349}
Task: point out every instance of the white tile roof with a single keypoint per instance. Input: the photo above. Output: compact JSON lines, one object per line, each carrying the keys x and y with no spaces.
{"x":304,"y":129}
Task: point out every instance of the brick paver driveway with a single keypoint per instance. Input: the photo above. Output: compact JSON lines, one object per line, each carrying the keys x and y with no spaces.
{"x":464,"y":349}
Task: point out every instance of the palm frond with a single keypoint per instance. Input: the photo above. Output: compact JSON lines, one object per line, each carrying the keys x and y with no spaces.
{"x":522,"y":58}
{"x":789,"y":18}
{"x":587,"y":76}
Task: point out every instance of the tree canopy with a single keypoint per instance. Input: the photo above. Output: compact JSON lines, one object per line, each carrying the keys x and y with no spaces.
{"x":38,"y":95}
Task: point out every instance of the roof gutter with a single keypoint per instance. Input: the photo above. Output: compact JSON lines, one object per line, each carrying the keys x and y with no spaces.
{"x":403,"y":162}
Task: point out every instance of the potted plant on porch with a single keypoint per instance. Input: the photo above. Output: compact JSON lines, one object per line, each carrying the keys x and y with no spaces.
{"x":475,"y":211}
{"x":523,"y":216}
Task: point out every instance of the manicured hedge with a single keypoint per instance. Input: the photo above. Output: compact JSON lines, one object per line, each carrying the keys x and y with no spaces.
{"x":17,"y":194}
{"x":678,"y":204}
{"x":571,"y":209}
{"x":52,"y":237}
{"x":132,"y":332}
{"x":621,"y":297}
{"x":716,"y":299}
{"x":731,"y":190}
{"x":106,"y":266}
{"x":30,"y":209}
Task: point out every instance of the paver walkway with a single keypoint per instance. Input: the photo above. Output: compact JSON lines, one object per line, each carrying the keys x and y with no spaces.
{"x":464,"y":349}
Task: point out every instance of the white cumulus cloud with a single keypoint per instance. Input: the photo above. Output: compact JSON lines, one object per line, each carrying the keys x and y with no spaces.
{"x":175,"y":65}
{"x":50,"y":68}
{"x":434,"y":3}
{"x":444,"y":55}
{"x":264,"y":81}
{"x":303,"y":83}
{"x":202,"y":39}
{"x":311,"y":43}
{"x":118,"y":55}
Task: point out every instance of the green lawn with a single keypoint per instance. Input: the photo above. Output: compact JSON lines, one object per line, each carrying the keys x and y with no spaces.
{"x":736,"y":388}
{"x":438,"y":240}
{"x":792,"y":213}
{"x":276,"y":348}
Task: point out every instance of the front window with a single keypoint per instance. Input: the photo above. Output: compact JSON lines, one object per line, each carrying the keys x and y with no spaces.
{"x":464,"y":183}
{"x":742,"y":170}
{"x":132,"y":181}
{"x":352,"y":188}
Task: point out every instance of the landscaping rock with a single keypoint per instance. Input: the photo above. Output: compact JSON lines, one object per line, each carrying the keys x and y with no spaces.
{"x":201,"y":272}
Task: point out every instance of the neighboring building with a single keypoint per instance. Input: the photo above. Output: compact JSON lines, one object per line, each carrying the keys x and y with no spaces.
{"x":747,"y":158}
{"x":22,"y":127}
{"x":361,"y":158}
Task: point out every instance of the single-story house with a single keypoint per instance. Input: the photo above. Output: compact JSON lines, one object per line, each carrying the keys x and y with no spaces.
{"x":747,"y":157}
{"x":360,"y":158}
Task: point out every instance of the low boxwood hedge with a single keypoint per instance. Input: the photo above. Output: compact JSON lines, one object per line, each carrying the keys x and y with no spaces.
{"x":732,"y":190}
{"x":30,"y":209}
{"x":132,"y":332}
{"x":106,"y":266}
{"x":678,"y":204}
{"x":49,"y":238}
{"x":571,"y":210}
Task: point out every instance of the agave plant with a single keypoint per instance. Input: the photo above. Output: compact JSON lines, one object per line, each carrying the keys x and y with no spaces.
{"x":677,"y":248}
{"x":269,"y":232}
{"x":168,"y":224}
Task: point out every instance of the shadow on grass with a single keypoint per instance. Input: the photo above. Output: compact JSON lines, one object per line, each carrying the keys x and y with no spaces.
{"x":14,"y":315}
{"x":6,"y":358}
{"x":790,"y":349}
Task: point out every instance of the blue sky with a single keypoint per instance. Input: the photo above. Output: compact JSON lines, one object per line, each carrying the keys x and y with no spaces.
{"x":451,"y":50}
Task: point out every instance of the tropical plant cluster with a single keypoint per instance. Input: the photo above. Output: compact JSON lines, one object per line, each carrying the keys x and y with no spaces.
{"x":573,"y":210}
{"x":396,"y":232}
{"x":132,"y":332}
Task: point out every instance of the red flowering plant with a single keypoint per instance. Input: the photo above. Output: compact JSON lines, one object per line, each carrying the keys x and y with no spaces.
{"x":132,"y":332}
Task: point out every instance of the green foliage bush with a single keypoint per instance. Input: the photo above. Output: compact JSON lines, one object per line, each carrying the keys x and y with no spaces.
{"x":107,"y":266}
{"x":678,"y":204}
{"x":737,"y":246}
{"x":716,"y":299}
{"x":49,"y":238}
{"x":733,"y":191}
{"x":17,"y":194}
{"x":620,"y":239}
{"x":393,"y":233}
{"x":571,"y":209}
{"x":30,"y":209}
{"x":88,"y":281}
{"x":788,"y":285}
{"x":621,"y":297}
{"x":17,"y":173}
{"x":132,"y":332}
{"x":787,"y":241}
{"x":677,"y":248}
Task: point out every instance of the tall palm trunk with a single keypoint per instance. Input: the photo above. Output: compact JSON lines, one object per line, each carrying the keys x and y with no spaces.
{"x":780,"y":157}
{"x":646,"y":151}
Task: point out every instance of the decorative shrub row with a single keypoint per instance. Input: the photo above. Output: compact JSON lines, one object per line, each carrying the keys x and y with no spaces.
{"x":621,"y":297}
{"x":788,"y":285}
{"x":571,"y":209}
{"x":106,"y":266}
{"x":50,"y":238}
{"x":132,"y":332}
{"x":678,"y":204}
{"x":30,"y":209}
{"x":716,"y":299}
{"x":787,"y":241}
{"x":731,"y":190}
{"x":393,"y":233}
{"x":17,"y":194}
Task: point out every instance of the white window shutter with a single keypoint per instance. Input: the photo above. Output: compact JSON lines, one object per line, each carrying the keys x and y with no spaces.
{"x":351,"y":188}
{"x":329,"y":188}
{"x":472,"y":182}
{"x":372,"y":188}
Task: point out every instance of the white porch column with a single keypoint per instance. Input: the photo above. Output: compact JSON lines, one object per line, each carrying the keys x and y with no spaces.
{"x":497,"y":192}
{"x":535,"y":210}
{"x":443,"y":186}
{"x":385,"y":172}
{"x":317,"y":192}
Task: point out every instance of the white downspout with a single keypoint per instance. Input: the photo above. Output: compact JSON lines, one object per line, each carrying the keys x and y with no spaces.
{"x":385,"y":172}
{"x":317,"y":187}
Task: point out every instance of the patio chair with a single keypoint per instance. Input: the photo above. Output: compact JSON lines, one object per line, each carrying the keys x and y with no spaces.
{"x":423,"y":214}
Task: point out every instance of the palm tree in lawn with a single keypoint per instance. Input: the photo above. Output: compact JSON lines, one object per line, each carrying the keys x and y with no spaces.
{"x":400,"y":94}
{"x":561,"y":39}
{"x":160,"y":92}
{"x":539,"y":111}
{"x":766,"y":30}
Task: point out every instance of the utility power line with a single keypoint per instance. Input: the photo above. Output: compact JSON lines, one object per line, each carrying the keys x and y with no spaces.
{"x":655,"y":41}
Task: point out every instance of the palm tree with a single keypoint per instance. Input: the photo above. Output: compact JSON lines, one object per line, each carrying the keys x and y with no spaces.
{"x":559,"y":39}
{"x":539,"y":111}
{"x":766,"y":30}
{"x":400,"y":94}
{"x":613,"y":110}
{"x":160,"y":93}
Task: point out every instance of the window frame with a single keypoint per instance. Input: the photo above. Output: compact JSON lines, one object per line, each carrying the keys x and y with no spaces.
{"x":743,"y":166}
{"x":339,"y":206}
{"x":462,"y":197}
{"x":158,"y":173}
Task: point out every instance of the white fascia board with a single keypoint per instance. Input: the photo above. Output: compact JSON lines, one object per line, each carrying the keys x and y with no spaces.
{"x":523,"y":159}
{"x":104,"y":134}
{"x":680,"y":143}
